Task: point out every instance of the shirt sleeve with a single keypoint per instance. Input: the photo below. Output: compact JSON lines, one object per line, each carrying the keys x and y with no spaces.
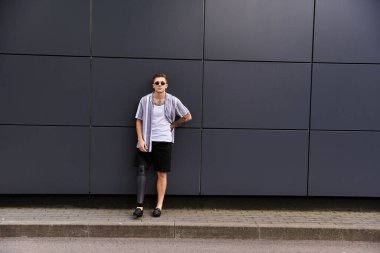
{"x":180,"y":109}
{"x":139,"y":113}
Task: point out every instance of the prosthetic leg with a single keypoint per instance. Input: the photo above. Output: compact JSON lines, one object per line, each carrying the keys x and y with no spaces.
{"x":141,"y":182}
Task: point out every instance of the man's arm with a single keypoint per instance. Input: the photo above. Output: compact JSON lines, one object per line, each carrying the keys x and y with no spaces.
{"x":140,"y":139}
{"x":181,"y":121}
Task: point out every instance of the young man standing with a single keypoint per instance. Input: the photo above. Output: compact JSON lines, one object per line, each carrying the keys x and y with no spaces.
{"x":155,"y":124}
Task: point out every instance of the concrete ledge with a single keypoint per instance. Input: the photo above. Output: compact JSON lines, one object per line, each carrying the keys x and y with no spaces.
{"x":189,"y":230}
{"x":220,"y":231}
{"x":369,"y":235}
{"x":332,"y":234}
{"x":137,"y":231}
{"x":70,"y":230}
{"x":43,"y":230}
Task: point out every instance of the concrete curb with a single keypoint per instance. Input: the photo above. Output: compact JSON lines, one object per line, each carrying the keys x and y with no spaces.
{"x":204,"y":217}
{"x":189,"y":230}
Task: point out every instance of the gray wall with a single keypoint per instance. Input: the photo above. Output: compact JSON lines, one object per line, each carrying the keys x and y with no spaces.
{"x":284,"y":95}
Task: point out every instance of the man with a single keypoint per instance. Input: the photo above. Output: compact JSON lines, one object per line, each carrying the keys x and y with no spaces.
{"x":155,"y":124}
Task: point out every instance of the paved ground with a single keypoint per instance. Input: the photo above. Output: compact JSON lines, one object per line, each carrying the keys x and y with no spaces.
{"x":333,"y":219}
{"x":120,"y":245}
{"x":353,"y":223}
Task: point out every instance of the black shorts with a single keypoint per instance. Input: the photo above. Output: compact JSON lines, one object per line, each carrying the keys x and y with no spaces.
{"x":160,"y":157}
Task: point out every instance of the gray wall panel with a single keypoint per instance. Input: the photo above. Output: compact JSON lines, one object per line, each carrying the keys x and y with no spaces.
{"x":45,"y":27}
{"x":347,"y":31}
{"x":118,"y":85}
{"x":44,"y":90}
{"x":186,"y":163}
{"x":112,"y":156}
{"x":344,"y":164}
{"x":112,"y":153}
{"x":346,"y":97}
{"x":44,"y":159}
{"x":272,"y":30}
{"x":258,"y":95}
{"x":251,"y":162}
{"x":143,"y":28}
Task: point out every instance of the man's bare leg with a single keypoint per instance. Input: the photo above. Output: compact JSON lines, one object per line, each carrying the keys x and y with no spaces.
{"x":161,"y":188}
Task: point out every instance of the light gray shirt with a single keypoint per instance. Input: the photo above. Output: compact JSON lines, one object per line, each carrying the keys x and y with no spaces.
{"x":173,"y":107}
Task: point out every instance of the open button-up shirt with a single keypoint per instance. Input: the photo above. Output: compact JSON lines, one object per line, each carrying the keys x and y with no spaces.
{"x":173,"y":107}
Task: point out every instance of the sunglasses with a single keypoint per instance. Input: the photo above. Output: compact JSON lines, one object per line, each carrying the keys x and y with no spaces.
{"x":158,"y":83}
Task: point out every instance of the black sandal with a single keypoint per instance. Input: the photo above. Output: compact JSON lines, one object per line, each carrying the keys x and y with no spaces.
{"x":156,"y":212}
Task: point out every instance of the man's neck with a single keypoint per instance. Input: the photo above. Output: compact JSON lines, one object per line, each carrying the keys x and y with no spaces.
{"x":159,"y":95}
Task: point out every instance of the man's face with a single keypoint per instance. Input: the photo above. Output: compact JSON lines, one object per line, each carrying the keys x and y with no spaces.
{"x":160,"y":84}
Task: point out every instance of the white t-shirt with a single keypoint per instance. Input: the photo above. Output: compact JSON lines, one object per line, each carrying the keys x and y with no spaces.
{"x":160,"y":125}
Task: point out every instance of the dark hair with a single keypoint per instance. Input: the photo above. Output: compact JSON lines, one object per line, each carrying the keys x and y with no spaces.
{"x":160,"y":75}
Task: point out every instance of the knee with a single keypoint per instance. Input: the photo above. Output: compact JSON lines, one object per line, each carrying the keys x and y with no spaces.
{"x":141,"y":171}
{"x":161,"y":175}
